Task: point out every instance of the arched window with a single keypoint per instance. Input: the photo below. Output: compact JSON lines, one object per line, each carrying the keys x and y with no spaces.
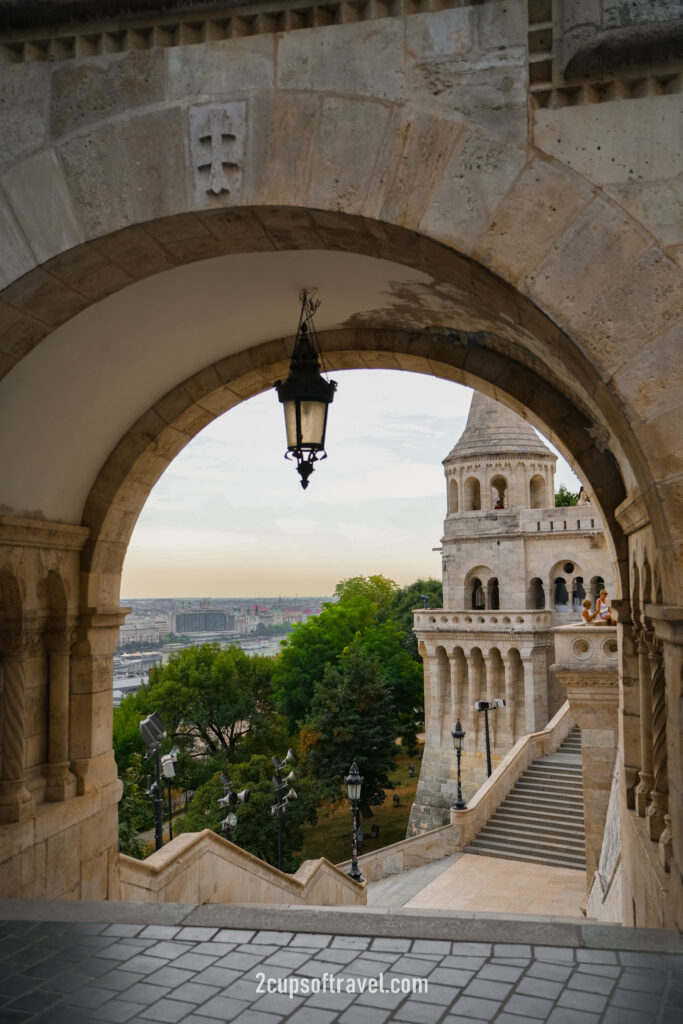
{"x":472,"y":494}
{"x":499,"y":492}
{"x":561,"y":595}
{"x":492,"y":594}
{"x":597,"y":584}
{"x":578,"y":593}
{"x":478,"y":597}
{"x":452,"y":496}
{"x":536,"y":594}
{"x":537,"y":492}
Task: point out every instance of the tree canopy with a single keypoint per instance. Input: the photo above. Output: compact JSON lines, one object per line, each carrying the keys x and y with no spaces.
{"x":378,"y":589}
{"x":564,"y":497}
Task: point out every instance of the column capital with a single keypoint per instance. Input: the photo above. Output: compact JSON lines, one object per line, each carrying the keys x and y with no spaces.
{"x":668,"y":622}
{"x":60,"y":641}
{"x":18,"y":646}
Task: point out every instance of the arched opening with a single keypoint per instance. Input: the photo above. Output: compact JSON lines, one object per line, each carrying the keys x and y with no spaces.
{"x":578,"y":593}
{"x":492,"y":595}
{"x":472,"y":495}
{"x":452,"y":497}
{"x":442,"y":695}
{"x":499,"y":491}
{"x":536,"y":598}
{"x":560,"y":595}
{"x":596,"y":585}
{"x":538,"y":497}
{"x":477,"y":595}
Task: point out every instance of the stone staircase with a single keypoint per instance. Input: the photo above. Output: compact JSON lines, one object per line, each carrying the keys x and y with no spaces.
{"x":541,"y":819}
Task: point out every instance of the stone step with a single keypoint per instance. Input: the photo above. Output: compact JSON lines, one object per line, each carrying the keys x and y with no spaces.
{"x":547,"y":790}
{"x":528,"y":835}
{"x":557,"y":862}
{"x":530,"y":804}
{"x":544,"y":852}
{"x":551,"y":779}
{"x":554,"y":818}
{"x":561,"y":771}
{"x":560,"y":826}
{"x":548,"y":796}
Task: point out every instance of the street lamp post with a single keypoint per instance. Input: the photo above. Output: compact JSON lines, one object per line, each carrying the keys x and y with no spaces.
{"x":153,"y":731}
{"x":354,"y":781}
{"x":486,"y":706}
{"x":169,"y":769}
{"x":228,"y":800}
{"x":282,"y":799}
{"x":458,"y":735}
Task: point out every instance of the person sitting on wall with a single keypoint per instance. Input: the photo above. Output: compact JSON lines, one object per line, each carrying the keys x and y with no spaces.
{"x":499,"y":504}
{"x":587,"y":615}
{"x":603,"y":612}
{"x":583,"y":496}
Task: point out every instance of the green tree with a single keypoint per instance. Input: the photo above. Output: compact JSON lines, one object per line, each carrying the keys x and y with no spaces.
{"x":210,"y":697}
{"x":384,"y":643}
{"x":564,"y":497}
{"x":311,"y":648}
{"x":404,"y":602}
{"x":127,"y":740}
{"x":256,"y":827}
{"x":134,"y":809}
{"x":378,"y":589}
{"x":352,"y":717}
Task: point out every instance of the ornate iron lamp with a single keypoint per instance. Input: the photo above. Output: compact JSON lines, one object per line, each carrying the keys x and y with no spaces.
{"x":354,"y":781}
{"x":306,"y":396}
{"x":458,"y":735}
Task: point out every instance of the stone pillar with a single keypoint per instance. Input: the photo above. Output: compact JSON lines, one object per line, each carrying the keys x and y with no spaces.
{"x":61,"y":782}
{"x":510,"y":665}
{"x":659,"y":796}
{"x":530,"y":716}
{"x":645,"y":776}
{"x":16,"y":803}
{"x":472,"y":697}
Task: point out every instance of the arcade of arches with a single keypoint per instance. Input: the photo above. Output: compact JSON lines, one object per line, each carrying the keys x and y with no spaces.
{"x":187,"y":192}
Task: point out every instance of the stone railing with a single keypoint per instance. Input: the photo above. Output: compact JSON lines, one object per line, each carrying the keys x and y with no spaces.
{"x":504,"y":621}
{"x":467,"y":824}
{"x":202,"y":867}
{"x":580,"y":648}
{"x":406,"y":854}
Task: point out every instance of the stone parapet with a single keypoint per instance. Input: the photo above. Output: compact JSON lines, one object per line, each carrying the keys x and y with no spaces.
{"x":517,"y":620}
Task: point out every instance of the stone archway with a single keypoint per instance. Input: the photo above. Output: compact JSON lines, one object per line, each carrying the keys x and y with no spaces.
{"x":527,"y":293}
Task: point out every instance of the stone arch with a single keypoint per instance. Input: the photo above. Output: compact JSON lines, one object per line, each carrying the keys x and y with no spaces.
{"x":471,"y":494}
{"x":499,"y":491}
{"x":492,"y":594}
{"x":538,"y":497}
{"x":442,"y":693}
{"x":476,"y":581}
{"x":536,"y":594}
{"x":452,"y":496}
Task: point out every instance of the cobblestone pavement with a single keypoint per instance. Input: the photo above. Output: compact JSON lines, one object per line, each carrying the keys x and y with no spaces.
{"x":78,"y":973}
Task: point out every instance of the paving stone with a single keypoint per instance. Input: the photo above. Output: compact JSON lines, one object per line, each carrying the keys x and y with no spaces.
{"x":431,"y":946}
{"x":442,"y":994}
{"x":640,"y":959}
{"x":363,"y":1015}
{"x":286,"y":958}
{"x":118,"y":1011}
{"x":540,"y":987}
{"x":272,"y":938}
{"x":563,"y":1015}
{"x":59,"y":1015}
{"x":333,"y":955}
{"x":217,"y":949}
{"x":310,"y":939}
{"x":620,"y":1015}
{"x":487,"y":989}
{"x":603,"y":970}
{"x":380,"y":1000}
{"x":497,"y":972}
{"x":196,"y":934}
{"x":198,"y":961}
{"x":167,"y":1010}
{"x":418,"y":1012}
{"x":144,"y":993}
{"x":471,"y":949}
{"x":256,"y":1017}
{"x":529,"y":1006}
{"x":391,"y":945}
{"x":381,"y":956}
{"x":160,"y":931}
{"x":632,"y":1000}
{"x":236,"y":935}
{"x":168,"y":951}
{"x":116,"y":951}
{"x":480,"y":1009}
{"x":554,"y":972}
{"x":312,"y":1015}
{"x":18,"y":984}
{"x":119,"y":980}
{"x":559,"y":954}
{"x":511,"y":1018}
{"x":220,"y":976}
{"x":278,"y":1003}
{"x":596,"y":956}
{"x":590,"y":983}
{"x":365,"y":968}
{"x":171,"y":977}
{"x":338,"y":1000}
{"x":467,"y":963}
{"x":221,"y":1008}
{"x":350,"y":942}
{"x":518,"y":951}
{"x":592,"y":1002}
{"x":34,"y":1002}
{"x":123,"y":929}
{"x":642,"y":981}
{"x":419,"y":968}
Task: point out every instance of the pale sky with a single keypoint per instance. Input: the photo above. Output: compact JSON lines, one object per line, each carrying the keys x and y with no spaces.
{"x":229,"y":518}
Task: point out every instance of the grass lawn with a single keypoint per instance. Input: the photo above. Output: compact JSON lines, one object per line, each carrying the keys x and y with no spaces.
{"x":331,"y":837}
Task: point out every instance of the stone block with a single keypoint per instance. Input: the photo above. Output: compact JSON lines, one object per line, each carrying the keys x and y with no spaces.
{"x":24,"y":108}
{"x":657,"y":205}
{"x":63,"y":862}
{"x":88,"y":91}
{"x":338,"y":182}
{"x":99,"y":832}
{"x":542,"y":202}
{"x":15,"y":256}
{"x":34,"y":872}
{"x":658,"y":389}
{"x":137,"y":252}
{"x":94,"y":877}
{"x":99,"y":179}
{"x":51,"y":225}
{"x":230,"y":69}
{"x":10,"y":877}
{"x":475,"y":180}
{"x":345,"y":59}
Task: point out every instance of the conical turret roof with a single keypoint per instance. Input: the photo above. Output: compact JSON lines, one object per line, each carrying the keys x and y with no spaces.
{"x":493,"y":429}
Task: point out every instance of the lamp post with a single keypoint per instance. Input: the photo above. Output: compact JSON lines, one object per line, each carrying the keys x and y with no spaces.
{"x":458,"y":735}
{"x":486,"y":706}
{"x":282,"y":799}
{"x":169,"y":769}
{"x":153,"y":731}
{"x":228,"y":800}
{"x":306,"y":396}
{"x":354,"y":781}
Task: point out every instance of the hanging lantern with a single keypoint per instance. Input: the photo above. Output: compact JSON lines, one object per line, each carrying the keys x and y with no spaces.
{"x":306,"y":396}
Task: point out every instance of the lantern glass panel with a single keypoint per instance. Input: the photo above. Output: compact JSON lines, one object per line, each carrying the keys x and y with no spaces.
{"x":353,"y":789}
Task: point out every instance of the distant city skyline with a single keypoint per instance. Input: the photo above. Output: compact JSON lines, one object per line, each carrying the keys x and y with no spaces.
{"x":229,"y":520}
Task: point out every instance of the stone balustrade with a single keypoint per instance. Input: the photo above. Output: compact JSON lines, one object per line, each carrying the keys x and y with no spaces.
{"x":202,"y":867}
{"x":413,"y":852}
{"x":497,"y":621}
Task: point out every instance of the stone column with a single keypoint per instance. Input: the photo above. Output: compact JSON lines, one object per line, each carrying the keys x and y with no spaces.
{"x":472,"y":695}
{"x":659,"y":796}
{"x":646,"y":778}
{"x":16,"y":803}
{"x":510,"y":664}
{"x":61,"y":783}
{"x":530,"y":715}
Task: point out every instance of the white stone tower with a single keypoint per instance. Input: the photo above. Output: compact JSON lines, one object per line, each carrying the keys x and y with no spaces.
{"x":514,"y":567}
